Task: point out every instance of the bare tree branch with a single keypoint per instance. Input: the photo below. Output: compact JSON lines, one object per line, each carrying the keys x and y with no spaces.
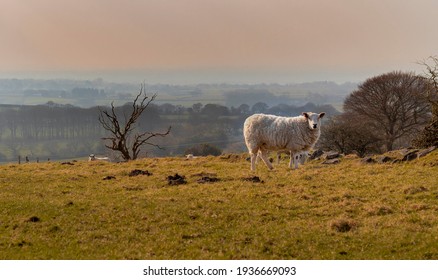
{"x":429,"y":135}
{"x":121,"y":134}
{"x":143,"y":139}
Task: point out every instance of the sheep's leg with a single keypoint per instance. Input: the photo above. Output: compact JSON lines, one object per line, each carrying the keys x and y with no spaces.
{"x":258,"y":156}
{"x":264,"y":156}
{"x":293,"y":163}
{"x":278,"y":157}
{"x":253,"y":160}
{"x":304,"y":158}
{"x":291,"y":160}
{"x":296,"y":158}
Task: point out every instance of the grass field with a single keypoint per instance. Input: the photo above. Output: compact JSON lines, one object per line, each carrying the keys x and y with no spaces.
{"x":95,"y":210}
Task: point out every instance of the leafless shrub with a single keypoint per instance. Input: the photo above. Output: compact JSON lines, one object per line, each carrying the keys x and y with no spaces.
{"x":121,"y":132}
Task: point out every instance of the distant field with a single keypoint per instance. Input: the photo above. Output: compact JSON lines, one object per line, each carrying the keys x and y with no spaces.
{"x":95,"y":210}
{"x":28,"y":92}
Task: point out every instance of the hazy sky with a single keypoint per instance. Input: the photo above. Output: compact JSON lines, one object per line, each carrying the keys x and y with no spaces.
{"x":181,"y":41}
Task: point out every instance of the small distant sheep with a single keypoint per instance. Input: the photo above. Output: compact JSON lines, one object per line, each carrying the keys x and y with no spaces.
{"x":190,"y":156}
{"x":92,"y":157}
{"x":264,"y":133}
{"x":295,"y":159}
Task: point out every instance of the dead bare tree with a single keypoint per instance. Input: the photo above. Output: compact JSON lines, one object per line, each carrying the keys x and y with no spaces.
{"x":122,"y":138}
{"x":429,"y":135}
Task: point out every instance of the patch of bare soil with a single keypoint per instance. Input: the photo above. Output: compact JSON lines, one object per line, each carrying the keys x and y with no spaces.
{"x":253,"y":179}
{"x":137,"y":172}
{"x":176,"y":180}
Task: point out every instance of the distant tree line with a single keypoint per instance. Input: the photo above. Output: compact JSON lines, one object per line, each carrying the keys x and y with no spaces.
{"x":48,"y":122}
{"x":63,"y":131}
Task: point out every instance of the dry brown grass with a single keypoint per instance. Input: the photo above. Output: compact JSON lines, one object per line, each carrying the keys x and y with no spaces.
{"x":345,"y":211}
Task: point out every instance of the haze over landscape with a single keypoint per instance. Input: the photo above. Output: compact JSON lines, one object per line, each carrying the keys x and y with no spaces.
{"x":126,"y":126}
{"x":203,"y":41}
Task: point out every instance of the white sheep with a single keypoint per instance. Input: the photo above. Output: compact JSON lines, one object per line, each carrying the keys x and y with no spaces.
{"x":264,"y":133}
{"x":92,"y":157}
{"x":190,"y":156}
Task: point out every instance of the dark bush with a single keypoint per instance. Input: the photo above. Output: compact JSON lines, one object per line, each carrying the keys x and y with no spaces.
{"x":204,"y":150}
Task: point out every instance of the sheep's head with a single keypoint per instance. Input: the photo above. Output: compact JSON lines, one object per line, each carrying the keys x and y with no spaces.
{"x":313,"y":119}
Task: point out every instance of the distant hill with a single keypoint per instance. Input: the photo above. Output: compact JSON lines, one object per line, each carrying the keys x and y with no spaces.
{"x":88,"y":93}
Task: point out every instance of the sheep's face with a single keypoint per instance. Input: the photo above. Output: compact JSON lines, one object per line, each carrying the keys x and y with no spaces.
{"x":313,"y":119}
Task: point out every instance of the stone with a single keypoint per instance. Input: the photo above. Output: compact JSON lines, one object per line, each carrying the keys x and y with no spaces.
{"x":384,"y":159}
{"x":426,"y":151}
{"x":316,"y":154}
{"x":332,"y":161}
{"x":368,"y":160}
{"x":410,"y":155}
{"x":330,"y":155}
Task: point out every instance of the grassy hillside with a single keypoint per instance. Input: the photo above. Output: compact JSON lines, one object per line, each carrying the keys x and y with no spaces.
{"x":96,"y":210}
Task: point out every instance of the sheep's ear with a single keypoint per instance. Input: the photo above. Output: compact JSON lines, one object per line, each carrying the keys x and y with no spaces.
{"x":305,"y":114}
{"x":321,"y":115}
